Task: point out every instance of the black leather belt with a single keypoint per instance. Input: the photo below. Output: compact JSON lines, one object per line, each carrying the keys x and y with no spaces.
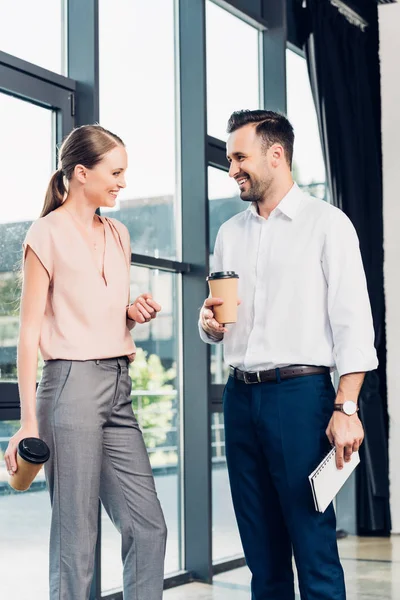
{"x":271,"y":374}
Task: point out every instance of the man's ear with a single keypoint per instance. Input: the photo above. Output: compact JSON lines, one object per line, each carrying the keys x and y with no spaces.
{"x":277,"y":154}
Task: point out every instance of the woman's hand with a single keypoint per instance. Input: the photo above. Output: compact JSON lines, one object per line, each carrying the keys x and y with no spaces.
{"x":143,"y":309}
{"x":10,"y":456}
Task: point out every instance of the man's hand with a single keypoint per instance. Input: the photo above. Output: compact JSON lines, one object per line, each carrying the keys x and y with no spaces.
{"x":143,"y":309}
{"x":208,"y":321}
{"x":346,"y":433}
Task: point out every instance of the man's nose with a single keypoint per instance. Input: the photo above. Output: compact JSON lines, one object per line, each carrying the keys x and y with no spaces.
{"x":233,"y":169}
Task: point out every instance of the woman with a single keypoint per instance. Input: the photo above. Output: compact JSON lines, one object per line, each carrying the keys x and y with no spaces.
{"x":74,"y":308}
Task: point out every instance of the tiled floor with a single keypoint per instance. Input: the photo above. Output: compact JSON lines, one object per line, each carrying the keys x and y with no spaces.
{"x":372,"y":569}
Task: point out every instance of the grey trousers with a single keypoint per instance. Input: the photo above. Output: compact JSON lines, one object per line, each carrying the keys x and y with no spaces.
{"x":97,"y":451}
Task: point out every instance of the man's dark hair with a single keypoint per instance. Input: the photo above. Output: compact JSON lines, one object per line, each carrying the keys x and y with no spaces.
{"x":272,"y":127}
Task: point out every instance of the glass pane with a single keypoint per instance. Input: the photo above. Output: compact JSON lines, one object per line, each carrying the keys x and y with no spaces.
{"x":25,"y":525}
{"x":137,"y":101}
{"x":232,"y":68}
{"x":308,"y":162}
{"x":226,"y":540}
{"x":224,"y":202}
{"x":155,"y":401}
{"x":34,"y":32}
{"x":26,"y":163}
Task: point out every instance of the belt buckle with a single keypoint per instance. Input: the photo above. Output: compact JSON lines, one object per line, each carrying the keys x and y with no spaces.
{"x":246,"y":380}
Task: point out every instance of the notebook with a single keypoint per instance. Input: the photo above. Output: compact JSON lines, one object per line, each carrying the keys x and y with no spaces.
{"x":326,"y":480}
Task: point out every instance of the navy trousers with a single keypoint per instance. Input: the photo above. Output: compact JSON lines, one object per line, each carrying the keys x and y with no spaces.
{"x":275,"y":436}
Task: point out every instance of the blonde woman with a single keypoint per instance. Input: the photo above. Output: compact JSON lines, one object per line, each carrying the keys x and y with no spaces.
{"x":75,"y":308}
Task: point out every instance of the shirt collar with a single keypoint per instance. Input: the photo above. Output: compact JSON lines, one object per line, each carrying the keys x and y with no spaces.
{"x":288,"y":206}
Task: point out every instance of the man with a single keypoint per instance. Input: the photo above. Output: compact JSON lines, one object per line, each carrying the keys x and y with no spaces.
{"x":304,"y":311}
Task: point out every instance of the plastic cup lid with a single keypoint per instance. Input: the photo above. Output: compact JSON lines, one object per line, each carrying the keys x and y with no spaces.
{"x":223,"y":275}
{"x":33,"y":450}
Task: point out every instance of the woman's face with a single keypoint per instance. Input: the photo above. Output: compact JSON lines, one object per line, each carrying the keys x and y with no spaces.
{"x":105,"y":180}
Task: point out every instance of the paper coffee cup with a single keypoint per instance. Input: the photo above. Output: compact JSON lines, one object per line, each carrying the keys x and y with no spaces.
{"x":32,"y":453}
{"x":224,"y":285}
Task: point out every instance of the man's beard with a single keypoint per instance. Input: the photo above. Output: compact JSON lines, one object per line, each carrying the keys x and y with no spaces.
{"x":255,"y":191}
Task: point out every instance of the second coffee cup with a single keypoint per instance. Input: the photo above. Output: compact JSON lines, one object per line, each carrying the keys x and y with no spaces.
{"x":32,"y":453}
{"x":224,"y":285}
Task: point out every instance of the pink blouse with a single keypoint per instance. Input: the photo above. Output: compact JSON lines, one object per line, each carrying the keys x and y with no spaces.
{"x":85,"y":315}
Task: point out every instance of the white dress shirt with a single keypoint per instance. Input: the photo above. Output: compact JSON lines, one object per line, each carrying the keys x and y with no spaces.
{"x":302,"y":286}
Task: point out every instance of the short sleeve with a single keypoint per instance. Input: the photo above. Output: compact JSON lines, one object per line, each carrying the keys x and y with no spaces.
{"x":39,"y":239}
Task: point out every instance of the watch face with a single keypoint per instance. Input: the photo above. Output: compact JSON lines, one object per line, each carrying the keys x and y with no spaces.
{"x":349,"y":407}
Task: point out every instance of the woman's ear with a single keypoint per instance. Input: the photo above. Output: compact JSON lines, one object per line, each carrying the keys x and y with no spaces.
{"x":80,"y":173}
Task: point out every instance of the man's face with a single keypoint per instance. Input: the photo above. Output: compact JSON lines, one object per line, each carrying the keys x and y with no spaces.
{"x":249,"y":163}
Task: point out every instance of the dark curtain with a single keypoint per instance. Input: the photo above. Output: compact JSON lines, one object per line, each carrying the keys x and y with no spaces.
{"x":343,"y":63}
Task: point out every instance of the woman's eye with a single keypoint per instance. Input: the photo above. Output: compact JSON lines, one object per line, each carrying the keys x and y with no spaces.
{"x":117,"y":172}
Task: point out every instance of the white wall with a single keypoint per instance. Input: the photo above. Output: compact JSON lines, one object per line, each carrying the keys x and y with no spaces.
{"x":389,"y":28}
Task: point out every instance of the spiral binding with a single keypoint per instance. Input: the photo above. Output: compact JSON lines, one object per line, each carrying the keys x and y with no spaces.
{"x":326,"y":461}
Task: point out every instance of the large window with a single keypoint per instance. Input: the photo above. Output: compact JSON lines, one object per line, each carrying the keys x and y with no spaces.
{"x":25,"y":523}
{"x":137,"y":102}
{"x":224,"y":202}
{"x":226,"y":541}
{"x":232,"y":68}
{"x":35,"y":32}
{"x":155,"y":401}
{"x":26,"y":165}
{"x":233,"y":83}
{"x":308,"y":162}
{"x":32,"y":121}
{"x":155,"y":396}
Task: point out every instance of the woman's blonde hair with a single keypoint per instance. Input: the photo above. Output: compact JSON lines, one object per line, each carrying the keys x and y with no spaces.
{"x":85,"y":146}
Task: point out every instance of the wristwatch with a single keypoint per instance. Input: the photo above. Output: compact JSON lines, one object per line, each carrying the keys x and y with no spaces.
{"x":348,"y":408}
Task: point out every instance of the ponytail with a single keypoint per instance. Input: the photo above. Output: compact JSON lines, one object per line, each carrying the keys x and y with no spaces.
{"x":55,"y":193}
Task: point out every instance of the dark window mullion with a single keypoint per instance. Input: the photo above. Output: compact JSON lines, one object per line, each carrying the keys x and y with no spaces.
{"x":163,"y":264}
{"x":254,"y":17}
{"x":36,"y":72}
{"x":216,"y":153}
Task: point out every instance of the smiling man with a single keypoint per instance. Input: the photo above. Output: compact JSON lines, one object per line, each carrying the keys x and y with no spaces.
{"x":304,"y":312}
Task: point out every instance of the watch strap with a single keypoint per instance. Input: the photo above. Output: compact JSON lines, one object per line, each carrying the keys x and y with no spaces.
{"x":339,"y":407}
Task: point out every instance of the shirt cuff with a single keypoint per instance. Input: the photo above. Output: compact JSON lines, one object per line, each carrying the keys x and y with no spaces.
{"x":354,"y":360}
{"x":208,"y":339}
